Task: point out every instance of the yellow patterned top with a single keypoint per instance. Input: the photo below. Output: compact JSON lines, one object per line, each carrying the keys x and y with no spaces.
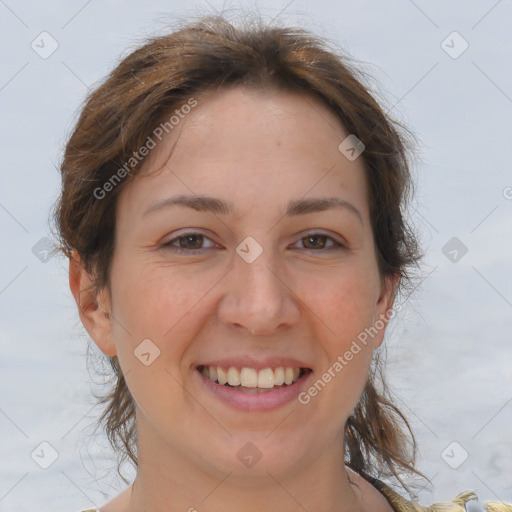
{"x":400,"y":504}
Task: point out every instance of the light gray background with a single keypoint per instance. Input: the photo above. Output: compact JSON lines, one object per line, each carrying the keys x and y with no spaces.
{"x":449,"y":351}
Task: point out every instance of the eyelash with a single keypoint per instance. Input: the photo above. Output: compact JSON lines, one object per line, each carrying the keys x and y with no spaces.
{"x":336,"y":246}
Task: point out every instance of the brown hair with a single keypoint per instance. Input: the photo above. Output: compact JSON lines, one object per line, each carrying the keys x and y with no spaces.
{"x":164,"y":74}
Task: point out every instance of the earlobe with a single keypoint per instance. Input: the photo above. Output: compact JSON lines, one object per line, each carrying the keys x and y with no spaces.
{"x":93,"y":308}
{"x":385,"y":307}
{"x":388,"y":291}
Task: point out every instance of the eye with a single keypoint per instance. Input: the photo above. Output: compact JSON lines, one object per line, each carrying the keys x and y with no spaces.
{"x":188,"y":242}
{"x":319,"y":241}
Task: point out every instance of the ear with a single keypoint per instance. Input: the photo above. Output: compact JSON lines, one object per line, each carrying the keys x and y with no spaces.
{"x":94,"y":309}
{"x":384,"y":309}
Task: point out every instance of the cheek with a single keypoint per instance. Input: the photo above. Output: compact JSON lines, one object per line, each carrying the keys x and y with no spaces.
{"x":160,"y":303}
{"x":346,"y":301}
{"x":152,"y":304}
{"x":346,"y":305}
{"x":152,"y":300}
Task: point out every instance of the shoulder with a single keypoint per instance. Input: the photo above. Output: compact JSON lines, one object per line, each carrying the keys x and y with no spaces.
{"x":465,"y":501}
{"x":368,"y":494}
{"x":378,"y":496}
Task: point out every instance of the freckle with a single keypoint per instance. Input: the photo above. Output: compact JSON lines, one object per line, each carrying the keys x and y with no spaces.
{"x":278,"y":143}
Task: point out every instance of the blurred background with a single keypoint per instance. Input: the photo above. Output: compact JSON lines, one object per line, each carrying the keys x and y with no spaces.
{"x":441,"y":68}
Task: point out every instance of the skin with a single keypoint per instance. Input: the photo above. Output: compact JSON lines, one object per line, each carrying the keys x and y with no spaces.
{"x":258,"y":150}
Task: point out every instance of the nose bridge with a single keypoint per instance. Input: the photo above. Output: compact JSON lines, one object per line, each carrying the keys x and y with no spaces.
{"x":257,"y":297}
{"x":261,"y":283}
{"x":254,"y":258}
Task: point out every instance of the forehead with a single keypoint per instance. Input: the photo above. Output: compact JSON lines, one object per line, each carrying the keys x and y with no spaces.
{"x":250,"y":146}
{"x":259,"y":121}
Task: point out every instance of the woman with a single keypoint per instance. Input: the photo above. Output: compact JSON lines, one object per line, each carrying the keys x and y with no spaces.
{"x":232,"y":211}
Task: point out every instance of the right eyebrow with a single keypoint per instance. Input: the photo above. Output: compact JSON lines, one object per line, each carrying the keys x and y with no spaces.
{"x":198,"y":203}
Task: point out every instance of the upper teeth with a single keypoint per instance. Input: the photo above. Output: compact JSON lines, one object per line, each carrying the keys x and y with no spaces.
{"x":250,"y":377}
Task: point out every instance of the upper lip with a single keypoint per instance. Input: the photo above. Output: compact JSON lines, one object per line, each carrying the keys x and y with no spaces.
{"x":256,"y":363}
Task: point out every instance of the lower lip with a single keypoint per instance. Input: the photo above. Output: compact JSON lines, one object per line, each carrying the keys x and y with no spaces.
{"x":266,"y":401}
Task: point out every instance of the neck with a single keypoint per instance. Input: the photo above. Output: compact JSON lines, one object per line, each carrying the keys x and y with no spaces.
{"x":167,"y":481}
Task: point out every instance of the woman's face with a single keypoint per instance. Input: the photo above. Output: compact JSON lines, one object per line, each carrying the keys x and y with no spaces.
{"x":262,"y":275}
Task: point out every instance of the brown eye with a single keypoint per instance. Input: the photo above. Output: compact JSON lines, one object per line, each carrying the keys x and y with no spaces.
{"x":314,"y":241}
{"x":190,"y":241}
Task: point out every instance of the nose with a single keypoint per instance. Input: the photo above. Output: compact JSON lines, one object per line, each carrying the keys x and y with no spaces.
{"x":259,"y":297}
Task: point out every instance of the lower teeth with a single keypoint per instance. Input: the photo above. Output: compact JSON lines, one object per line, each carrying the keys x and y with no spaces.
{"x":255,"y":390}
{"x":252,"y":390}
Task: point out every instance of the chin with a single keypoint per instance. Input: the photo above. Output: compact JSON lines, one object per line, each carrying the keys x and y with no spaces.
{"x":250,"y":458}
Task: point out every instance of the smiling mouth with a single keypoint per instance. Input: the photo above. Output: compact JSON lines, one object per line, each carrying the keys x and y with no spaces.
{"x":250,"y":380}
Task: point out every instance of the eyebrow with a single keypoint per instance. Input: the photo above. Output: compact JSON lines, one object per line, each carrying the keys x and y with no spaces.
{"x":221,"y":207}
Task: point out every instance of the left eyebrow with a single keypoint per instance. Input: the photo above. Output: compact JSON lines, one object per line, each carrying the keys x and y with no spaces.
{"x":219,"y":206}
{"x":304,"y":206}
